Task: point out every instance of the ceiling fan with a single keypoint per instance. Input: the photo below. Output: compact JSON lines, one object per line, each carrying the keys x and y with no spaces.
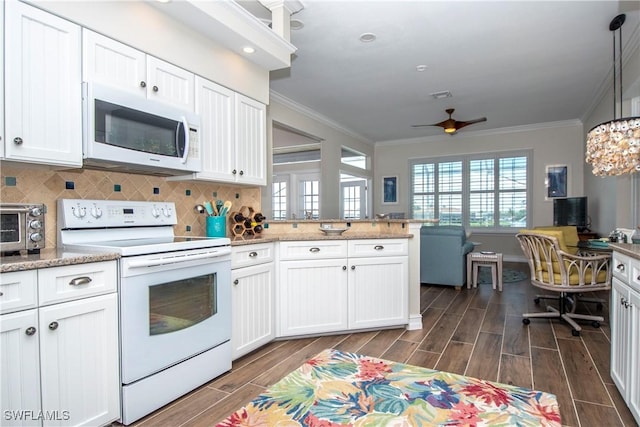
{"x":450,"y":125}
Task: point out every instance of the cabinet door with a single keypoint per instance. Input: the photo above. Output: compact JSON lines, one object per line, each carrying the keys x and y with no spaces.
{"x":20,"y":368}
{"x":2,"y":138}
{"x":214,"y":104}
{"x":79,"y":356}
{"x":633,"y":387}
{"x":378,"y":289}
{"x":170,"y":84}
{"x":112,"y":63}
{"x":620,"y":334}
{"x":312,"y":296}
{"x":250,"y":141}
{"x":43,"y":108}
{"x":252,"y":308}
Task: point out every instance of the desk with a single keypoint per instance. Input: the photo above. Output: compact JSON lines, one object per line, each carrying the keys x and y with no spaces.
{"x":493,"y":260}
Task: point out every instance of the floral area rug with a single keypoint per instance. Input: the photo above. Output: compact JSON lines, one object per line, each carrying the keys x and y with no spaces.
{"x":346,"y":389}
{"x":508,"y":275}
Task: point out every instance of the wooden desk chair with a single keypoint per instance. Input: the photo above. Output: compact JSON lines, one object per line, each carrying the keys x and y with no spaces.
{"x":567,"y":274}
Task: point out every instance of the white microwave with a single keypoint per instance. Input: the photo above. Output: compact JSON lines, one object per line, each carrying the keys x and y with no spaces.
{"x":124,"y":131}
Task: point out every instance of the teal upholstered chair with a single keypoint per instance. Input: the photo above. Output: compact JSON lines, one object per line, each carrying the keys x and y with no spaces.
{"x":443,"y":254}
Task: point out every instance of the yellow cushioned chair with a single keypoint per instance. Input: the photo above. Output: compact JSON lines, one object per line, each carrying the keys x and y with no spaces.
{"x":555,"y":268}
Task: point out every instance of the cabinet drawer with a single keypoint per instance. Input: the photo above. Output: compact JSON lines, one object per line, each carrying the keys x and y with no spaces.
{"x":244,"y":256}
{"x":380,"y":247}
{"x":18,"y":291}
{"x":315,"y":249}
{"x":71,"y":282}
{"x":621,"y":266}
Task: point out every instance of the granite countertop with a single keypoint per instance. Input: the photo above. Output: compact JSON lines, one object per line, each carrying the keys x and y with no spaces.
{"x":51,"y":257}
{"x":629,"y":249}
{"x":261,"y":238}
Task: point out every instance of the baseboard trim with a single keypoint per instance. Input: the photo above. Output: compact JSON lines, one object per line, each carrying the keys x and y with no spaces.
{"x":415,"y":322}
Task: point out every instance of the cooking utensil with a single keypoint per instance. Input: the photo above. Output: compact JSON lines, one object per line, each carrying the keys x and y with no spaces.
{"x":216,"y":211}
{"x":225,"y":208}
{"x":219,"y":204}
{"x":209,"y":208}
{"x":200,"y":209}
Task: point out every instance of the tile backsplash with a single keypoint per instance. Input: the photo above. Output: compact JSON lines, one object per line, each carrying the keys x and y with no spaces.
{"x":31,"y":184}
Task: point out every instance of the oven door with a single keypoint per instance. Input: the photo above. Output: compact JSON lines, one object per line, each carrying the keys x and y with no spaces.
{"x":172,"y":310}
{"x":12,"y":230}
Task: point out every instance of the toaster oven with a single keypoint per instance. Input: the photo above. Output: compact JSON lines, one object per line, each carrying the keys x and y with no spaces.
{"x":22,"y":227}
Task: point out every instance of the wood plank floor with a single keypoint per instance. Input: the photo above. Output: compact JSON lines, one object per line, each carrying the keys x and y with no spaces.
{"x":477,"y":332}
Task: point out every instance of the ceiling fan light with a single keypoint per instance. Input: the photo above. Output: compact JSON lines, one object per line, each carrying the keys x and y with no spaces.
{"x":450,"y":130}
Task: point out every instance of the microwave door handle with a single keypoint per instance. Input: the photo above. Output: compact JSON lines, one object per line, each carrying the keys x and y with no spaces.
{"x":185,"y":124}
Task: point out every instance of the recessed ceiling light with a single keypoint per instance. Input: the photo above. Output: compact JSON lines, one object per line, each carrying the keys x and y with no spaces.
{"x":441,"y":95}
{"x":248,"y":49}
{"x":421,"y":68}
{"x":367,"y":37}
{"x":296,"y":24}
{"x":163,"y":1}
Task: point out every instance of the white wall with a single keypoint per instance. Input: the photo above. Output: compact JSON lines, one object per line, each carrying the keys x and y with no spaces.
{"x":142,"y":26}
{"x":333,"y":140}
{"x":550,"y":143}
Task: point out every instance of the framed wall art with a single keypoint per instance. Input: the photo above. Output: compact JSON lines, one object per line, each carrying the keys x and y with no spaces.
{"x":556,"y":181}
{"x":390,"y":190}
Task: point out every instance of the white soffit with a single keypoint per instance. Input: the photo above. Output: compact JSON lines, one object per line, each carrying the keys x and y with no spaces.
{"x":233,"y":27}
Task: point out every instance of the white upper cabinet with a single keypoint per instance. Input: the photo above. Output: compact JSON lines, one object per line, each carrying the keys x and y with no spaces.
{"x":250,"y":141}
{"x":43,"y":97}
{"x":233,"y":136}
{"x":214,"y":104}
{"x":109,"y":62}
{"x":112,"y":63}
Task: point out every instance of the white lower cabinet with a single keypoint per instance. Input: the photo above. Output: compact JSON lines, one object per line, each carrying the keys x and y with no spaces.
{"x":252,"y":296}
{"x":60,"y":361}
{"x":323,"y":288}
{"x":378,"y":292}
{"x":20,"y":355}
{"x":312,"y":296}
{"x":625,"y":330}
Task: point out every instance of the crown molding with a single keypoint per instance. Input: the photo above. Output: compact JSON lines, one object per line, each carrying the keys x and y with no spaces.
{"x":306,"y":111}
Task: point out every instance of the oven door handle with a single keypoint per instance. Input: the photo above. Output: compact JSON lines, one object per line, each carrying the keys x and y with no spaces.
{"x":174,"y":259}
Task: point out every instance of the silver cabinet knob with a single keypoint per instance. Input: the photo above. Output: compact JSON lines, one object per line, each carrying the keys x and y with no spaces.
{"x":235,"y":282}
{"x":30,"y":331}
{"x":155,"y":89}
{"x":353,"y":267}
{"x":253,"y":254}
{"x":143,"y":84}
{"x":17,"y":140}
{"x":53,"y":326}
{"x":241,"y":173}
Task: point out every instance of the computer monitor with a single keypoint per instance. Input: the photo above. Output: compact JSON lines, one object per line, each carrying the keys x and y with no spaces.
{"x":571,"y":211}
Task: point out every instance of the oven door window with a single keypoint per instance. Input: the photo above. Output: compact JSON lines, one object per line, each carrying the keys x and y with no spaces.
{"x":10,"y":228}
{"x":136,"y":130}
{"x":182,"y":303}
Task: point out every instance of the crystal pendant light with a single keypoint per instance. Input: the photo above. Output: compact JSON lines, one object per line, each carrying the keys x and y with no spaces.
{"x":613,"y":147}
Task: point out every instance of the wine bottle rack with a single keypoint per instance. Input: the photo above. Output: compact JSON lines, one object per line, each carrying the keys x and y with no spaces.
{"x":245,"y":222}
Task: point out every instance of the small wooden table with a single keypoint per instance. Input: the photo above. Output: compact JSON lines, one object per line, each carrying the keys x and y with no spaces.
{"x":475,"y":260}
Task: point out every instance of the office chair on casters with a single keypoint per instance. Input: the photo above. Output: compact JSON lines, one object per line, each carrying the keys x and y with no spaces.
{"x":568,"y":275}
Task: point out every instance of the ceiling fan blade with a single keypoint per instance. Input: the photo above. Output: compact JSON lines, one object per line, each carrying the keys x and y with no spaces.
{"x":442,"y":124}
{"x":460,"y":124}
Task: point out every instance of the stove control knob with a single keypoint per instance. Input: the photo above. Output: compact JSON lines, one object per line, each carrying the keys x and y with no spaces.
{"x":155,"y":212}
{"x":35,"y":237}
{"x":79,"y":212}
{"x":96,"y":212}
{"x":35,"y":211}
{"x":36,"y":224}
{"x":166,"y":212}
